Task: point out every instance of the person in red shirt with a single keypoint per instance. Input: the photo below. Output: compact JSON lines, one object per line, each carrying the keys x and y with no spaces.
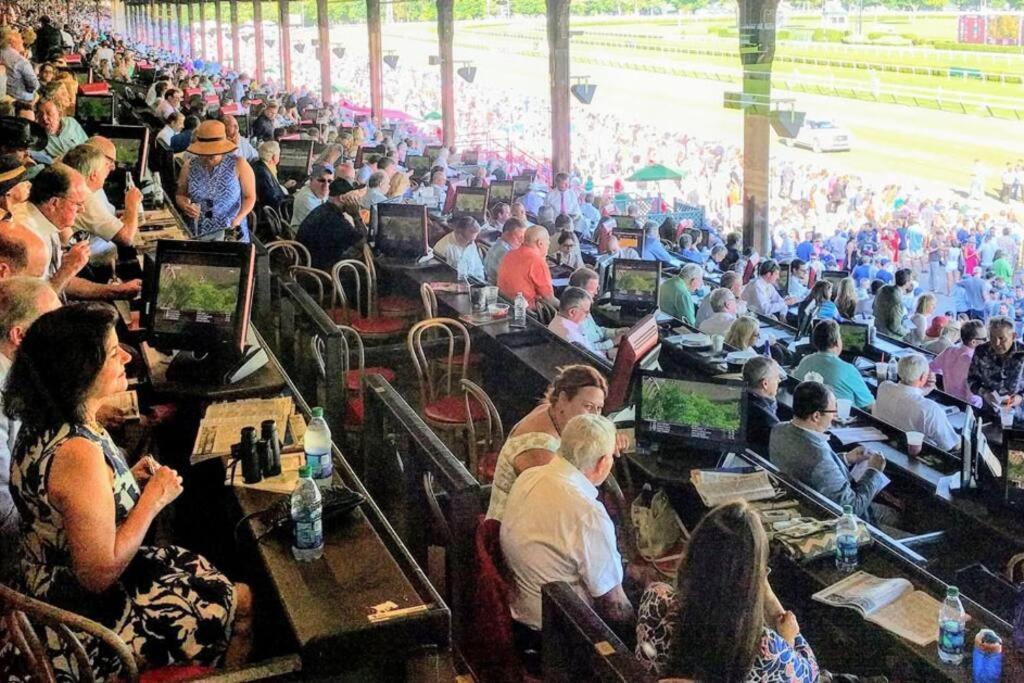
{"x":526,"y":269}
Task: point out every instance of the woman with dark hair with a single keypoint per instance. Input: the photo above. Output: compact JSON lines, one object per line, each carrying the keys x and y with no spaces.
{"x":817,"y":305}
{"x":577,"y":390}
{"x":85,"y":514}
{"x":722,"y":622}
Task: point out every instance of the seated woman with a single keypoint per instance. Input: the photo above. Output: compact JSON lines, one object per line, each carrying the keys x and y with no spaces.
{"x":743,"y":333}
{"x":816,"y":306}
{"x":577,"y":390}
{"x":723,"y":622}
{"x":85,"y":514}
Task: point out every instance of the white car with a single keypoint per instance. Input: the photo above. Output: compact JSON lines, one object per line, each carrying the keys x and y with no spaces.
{"x":823,"y":135}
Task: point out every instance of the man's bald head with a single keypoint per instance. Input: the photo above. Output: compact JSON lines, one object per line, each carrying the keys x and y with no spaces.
{"x":22,"y":252}
{"x":104,"y":145}
{"x":536,"y":235}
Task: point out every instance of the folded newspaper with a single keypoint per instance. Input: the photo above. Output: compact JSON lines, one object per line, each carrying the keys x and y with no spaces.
{"x":716,"y":487}
{"x":221,"y":427}
{"x":893,"y":604}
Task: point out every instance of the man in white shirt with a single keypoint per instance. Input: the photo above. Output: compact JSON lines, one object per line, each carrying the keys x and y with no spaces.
{"x":554,"y":528}
{"x":22,"y":300}
{"x":374,"y":195}
{"x":573,"y":308}
{"x":905,"y":406}
{"x":173,"y":124}
{"x":798,"y":276}
{"x":723,"y":305}
{"x":312,"y":194}
{"x":459,"y":245}
{"x":169,"y":103}
{"x":761,"y":294}
{"x":435,"y":194}
{"x":512,"y":233}
{"x":562,"y":199}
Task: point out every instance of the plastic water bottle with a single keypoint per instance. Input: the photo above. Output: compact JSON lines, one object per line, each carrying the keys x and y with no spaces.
{"x":158,"y":189}
{"x":462,"y":271}
{"x":519,"y":311}
{"x":846,"y":541}
{"x":894,"y":374}
{"x":951,"y":627}
{"x":307,"y":518}
{"x":317,"y":444}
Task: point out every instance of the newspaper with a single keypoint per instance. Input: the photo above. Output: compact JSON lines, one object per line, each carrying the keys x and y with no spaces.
{"x":126,"y":403}
{"x":223,"y":422}
{"x":716,"y":488}
{"x":848,"y":435}
{"x":892,"y":604}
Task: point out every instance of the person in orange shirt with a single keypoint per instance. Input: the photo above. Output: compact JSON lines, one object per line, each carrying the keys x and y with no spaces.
{"x":526,"y":269}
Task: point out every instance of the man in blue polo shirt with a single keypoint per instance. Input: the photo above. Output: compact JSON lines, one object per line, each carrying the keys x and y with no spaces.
{"x":844,"y":379}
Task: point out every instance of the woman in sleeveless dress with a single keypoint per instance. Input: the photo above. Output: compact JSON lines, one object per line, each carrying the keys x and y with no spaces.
{"x":577,"y":390}
{"x":85,"y":513}
{"x":216,"y":189}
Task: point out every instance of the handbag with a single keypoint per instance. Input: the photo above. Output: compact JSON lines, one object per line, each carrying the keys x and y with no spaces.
{"x":658,"y":527}
{"x":806,"y":539}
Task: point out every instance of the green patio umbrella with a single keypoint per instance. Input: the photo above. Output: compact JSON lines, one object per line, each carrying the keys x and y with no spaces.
{"x":654,"y":173}
{"x":432,"y":116}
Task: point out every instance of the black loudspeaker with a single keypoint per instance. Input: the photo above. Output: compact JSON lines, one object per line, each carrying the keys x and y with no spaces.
{"x":339,"y":52}
{"x":584,"y":92}
{"x":467,"y":72}
{"x":433,"y":60}
{"x":786,"y":124}
{"x":391,"y":60}
{"x":300,"y":47}
{"x":270,"y":42}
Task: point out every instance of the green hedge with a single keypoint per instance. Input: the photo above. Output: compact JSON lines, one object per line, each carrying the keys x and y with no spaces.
{"x":827,"y":35}
{"x":971,"y":47}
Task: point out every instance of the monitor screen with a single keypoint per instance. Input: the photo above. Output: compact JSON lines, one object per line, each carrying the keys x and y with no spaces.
{"x":432,"y":152}
{"x":370,"y":155}
{"x":401,"y":230}
{"x":501,"y":191}
{"x":127,"y":151}
{"x":835,"y":277}
{"x":95,"y":109}
{"x":243,"y":124}
{"x":635,"y":282}
{"x":131,"y":145}
{"x":417,"y":163}
{"x":625,"y":222}
{"x":855,"y":337}
{"x":470,"y":157}
{"x":520,"y":187}
{"x":1013,"y":468}
{"x":296,"y":156}
{"x":471,"y":201}
{"x":630,"y":238}
{"x":691,"y":411}
{"x":783,"y":283}
{"x":201,"y":295}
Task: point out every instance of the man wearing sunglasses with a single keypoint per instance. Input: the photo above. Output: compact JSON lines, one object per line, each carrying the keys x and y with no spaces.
{"x":312,"y":194}
{"x":800,"y":448}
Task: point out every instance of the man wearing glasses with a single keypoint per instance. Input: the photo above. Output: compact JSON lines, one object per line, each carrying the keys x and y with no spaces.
{"x":312,"y":194}
{"x":800,"y":448}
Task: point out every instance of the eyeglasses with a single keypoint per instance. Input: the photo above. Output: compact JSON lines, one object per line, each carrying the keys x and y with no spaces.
{"x":323,"y":180}
{"x":828,"y":411}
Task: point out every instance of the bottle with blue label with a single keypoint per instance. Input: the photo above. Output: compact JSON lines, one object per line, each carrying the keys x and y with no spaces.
{"x":317,"y":444}
{"x":307,"y":518}
{"x":519,"y":311}
{"x":846,"y":541}
{"x":951,"y":627}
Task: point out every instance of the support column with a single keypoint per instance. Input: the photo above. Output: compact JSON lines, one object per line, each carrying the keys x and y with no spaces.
{"x":181,"y":29}
{"x":376,"y":59}
{"x":445,"y":40}
{"x":236,"y":60}
{"x":164,"y":25}
{"x":154,"y":24}
{"x":324,"y":38}
{"x":286,"y":44}
{"x":257,"y":25}
{"x":558,"y":73}
{"x":191,"y":31}
{"x":202,"y":30}
{"x":220,"y":32}
{"x":757,"y":50}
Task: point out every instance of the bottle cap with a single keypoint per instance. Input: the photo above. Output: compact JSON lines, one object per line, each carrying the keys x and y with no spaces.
{"x":847,"y":509}
{"x":305,"y":472}
{"x":952,"y":592}
{"x":318,"y":412}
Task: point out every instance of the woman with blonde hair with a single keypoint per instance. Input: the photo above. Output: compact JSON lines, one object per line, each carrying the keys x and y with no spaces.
{"x":399,"y":186}
{"x":743,"y":333}
{"x":922,"y":317}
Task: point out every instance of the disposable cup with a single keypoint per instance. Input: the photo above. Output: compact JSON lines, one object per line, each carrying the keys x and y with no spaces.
{"x":1006,"y":417}
{"x":717,"y":342}
{"x":914,"y":442}
{"x":843,"y":407}
{"x":882,"y":371}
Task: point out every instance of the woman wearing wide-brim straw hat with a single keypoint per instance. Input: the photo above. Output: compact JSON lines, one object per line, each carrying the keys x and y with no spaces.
{"x":216,"y":189}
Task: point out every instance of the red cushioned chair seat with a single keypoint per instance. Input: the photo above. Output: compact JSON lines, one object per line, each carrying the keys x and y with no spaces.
{"x":354,"y":412}
{"x":337,"y":315}
{"x":398,"y":304}
{"x":177,"y":672}
{"x":377,"y":325}
{"x":452,"y":409}
{"x":352,"y":377}
{"x":485,"y":467}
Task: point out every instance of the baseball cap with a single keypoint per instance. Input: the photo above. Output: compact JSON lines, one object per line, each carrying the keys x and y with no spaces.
{"x":319,"y":169}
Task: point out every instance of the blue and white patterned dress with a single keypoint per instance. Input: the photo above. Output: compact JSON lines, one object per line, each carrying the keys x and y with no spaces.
{"x":170,"y":605}
{"x":218,"y":192}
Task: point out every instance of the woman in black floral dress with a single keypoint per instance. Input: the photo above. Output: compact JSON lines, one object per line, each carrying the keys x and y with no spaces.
{"x":84,"y":516}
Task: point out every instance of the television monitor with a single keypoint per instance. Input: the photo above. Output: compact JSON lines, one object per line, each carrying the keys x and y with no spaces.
{"x":470,"y":157}
{"x":708,"y":414}
{"x":432,"y":152}
{"x":199,"y":296}
{"x":528,"y":174}
{"x":855,"y":338}
{"x":635,"y":283}
{"x":630,"y":238}
{"x":783,"y":283}
{"x":471,"y":201}
{"x":131,"y":145}
{"x":835,"y":277}
{"x":95,"y":109}
{"x":418,"y":164}
{"x":83,"y":76}
{"x":520,"y":186}
{"x":625,"y":222}
{"x":370,"y":155}
{"x":1011,"y":481}
{"x":401,"y":230}
{"x":501,"y":191}
{"x":638,"y":347}
{"x":296,"y":158}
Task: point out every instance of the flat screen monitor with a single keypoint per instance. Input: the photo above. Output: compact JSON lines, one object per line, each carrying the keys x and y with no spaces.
{"x":200,"y":295}
{"x":95,"y":109}
{"x":635,"y":283}
{"x":501,"y":191}
{"x":630,"y":238}
{"x":639,"y":347}
{"x":131,"y":146}
{"x":243,"y":124}
{"x":432,"y":152}
{"x":471,"y":201}
{"x":835,"y":277}
{"x":520,"y":187}
{"x":401,"y":230}
{"x":83,"y":76}
{"x":296,"y":157}
{"x":1012,"y":480}
{"x":370,"y":155}
{"x":699,"y":413}
{"x":418,"y":164}
{"x":625,"y":222}
{"x":470,"y":157}
{"x":855,"y":338}
{"x":783,"y":284}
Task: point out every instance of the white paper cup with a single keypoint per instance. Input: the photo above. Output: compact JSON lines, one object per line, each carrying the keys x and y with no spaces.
{"x":843,"y":407}
{"x":882,"y":371}
{"x":717,"y":343}
{"x":1006,"y":417}
{"x":914,"y":442}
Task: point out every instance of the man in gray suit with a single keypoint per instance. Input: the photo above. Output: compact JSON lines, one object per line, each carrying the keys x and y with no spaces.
{"x":800,"y":449}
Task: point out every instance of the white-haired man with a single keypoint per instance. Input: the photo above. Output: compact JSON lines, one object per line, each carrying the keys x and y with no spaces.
{"x":905,"y":405}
